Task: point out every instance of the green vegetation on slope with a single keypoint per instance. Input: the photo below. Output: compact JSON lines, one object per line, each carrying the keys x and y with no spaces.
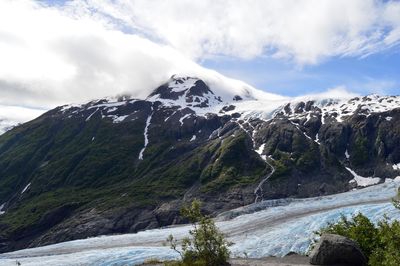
{"x":233,"y":165}
{"x":74,"y":165}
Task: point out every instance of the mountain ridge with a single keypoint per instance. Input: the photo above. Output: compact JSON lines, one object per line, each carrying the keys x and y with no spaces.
{"x":120,"y":164}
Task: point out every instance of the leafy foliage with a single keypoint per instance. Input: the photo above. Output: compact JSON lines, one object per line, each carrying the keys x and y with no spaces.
{"x":380,"y":243}
{"x":359,"y":228}
{"x":388,"y":245}
{"x":206,"y":245}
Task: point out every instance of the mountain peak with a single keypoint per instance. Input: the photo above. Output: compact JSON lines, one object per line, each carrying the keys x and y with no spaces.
{"x":185,"y":91}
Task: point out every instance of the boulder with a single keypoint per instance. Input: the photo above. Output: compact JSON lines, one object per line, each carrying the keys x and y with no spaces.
{"x":337,"y":250}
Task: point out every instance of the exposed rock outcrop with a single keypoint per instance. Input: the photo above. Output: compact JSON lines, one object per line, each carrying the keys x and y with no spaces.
{"x":335,"y":249}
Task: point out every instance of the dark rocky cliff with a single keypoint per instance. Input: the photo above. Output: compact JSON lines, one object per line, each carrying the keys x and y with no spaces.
{"x":123,"y":165}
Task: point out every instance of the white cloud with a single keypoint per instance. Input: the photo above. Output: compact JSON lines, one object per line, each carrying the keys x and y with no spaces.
{"x":51,"y":56}
{"x":13,"y":115}
{"x":306,"y":31}
{"x":368,"y":85}
{"x":391,"y":17}
{"x":336,"y":93}
{"x":88,"y":49}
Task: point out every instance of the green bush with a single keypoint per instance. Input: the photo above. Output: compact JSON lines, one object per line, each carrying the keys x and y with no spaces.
{"x":387,"y":251}
{"x":206,"y":245}
{"x":359,"y":228}
{"x":360,"y":151}
{"x":380,"y":243}
{"x":309,"y":160}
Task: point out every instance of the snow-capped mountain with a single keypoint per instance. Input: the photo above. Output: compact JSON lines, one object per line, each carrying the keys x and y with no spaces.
{"x":202,"y":98}
{"x":191,"y":97}
{"x":340,"y":110}
{"x":121,"y":164}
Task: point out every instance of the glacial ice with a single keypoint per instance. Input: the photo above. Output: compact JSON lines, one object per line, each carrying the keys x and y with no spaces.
{"x":274,"y":227}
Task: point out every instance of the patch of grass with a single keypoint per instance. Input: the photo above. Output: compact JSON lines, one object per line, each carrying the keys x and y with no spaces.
{"x":283,"y":165}
{"x":233,"y":165}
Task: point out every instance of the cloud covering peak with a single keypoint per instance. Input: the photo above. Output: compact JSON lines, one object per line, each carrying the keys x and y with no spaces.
{"x":85,"y":49}
{"x":51,"y":56}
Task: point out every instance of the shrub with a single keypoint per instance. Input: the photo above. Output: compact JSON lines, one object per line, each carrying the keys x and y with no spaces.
{"x":360,"y":151}
{"x":359,"y":228}
{"x":309,"y":160}
{"x":206,"y":245}
{"x":282,"y":163}
{"x":387,"y":251}
{"x":380,"y":243}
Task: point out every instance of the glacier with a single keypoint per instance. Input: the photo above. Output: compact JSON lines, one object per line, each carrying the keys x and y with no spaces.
{"x":267,"y":228}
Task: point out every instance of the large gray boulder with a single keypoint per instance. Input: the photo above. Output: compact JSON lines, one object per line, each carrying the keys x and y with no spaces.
{"x":337,"y":250}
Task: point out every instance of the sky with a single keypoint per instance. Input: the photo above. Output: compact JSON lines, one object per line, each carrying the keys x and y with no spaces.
{"x":55,"y":52}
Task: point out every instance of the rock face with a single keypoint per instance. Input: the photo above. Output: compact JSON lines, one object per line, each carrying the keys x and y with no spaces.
{"x":120,"y":164}
{"x":335,"y":249}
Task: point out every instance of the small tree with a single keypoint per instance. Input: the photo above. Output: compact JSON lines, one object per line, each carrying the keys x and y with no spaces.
{"x":206,"y":245}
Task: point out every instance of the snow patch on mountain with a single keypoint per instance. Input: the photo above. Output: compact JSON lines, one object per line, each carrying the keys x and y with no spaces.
{"x":260,"y":150}
{"x":118,"y":119}
{"x":25,"y":188}
{"x":364,"y":105}
{"x":258,"y":191}
{"x":338,"y":109}
{"x":1,"y":209}
{"x":146,"y":137}
{"x":363,"y":181}
{"x":182,"y":84}
{"x":90,"y":116}
{"x":183,"y":118}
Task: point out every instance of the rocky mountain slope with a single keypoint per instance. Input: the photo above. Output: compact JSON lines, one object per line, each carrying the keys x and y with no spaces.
{"x":120,"y":164}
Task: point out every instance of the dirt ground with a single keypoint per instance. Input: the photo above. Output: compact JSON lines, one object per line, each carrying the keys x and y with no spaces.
{"x":291,"y":260}
{"x":296,"y":260}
